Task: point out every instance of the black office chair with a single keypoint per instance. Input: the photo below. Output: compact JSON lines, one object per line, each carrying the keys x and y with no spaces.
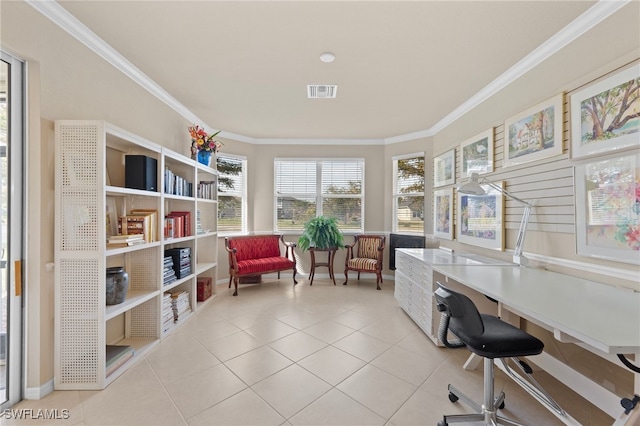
{"x":488,"y":337}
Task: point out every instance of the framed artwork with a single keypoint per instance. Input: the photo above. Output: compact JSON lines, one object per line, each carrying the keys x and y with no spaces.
{"x":444,"y":169}
{"x":608,"y":208}
{"x":604,"y":115}
{"x":534,"y":134}
{"x":111,"y":223}
{"x":477,"y":154}
{"x":480,"y":219}
{"x":443,"y":213}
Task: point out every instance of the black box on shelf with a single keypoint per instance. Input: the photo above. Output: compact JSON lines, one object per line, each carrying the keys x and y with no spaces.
{"x":141,"y":172}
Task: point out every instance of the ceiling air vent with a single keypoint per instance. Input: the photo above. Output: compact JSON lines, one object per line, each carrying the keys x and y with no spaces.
{"x":321,"y":91}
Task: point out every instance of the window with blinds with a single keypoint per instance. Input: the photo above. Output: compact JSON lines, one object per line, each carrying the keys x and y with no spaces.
{"x":232,"y":194}
{"x":307,"y":188}
{"x":408,"y":193}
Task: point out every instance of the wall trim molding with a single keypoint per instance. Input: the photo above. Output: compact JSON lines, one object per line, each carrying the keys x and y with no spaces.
{"x":593,"y":16}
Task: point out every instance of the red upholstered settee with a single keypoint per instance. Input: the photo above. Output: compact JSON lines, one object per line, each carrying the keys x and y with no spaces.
{"x":257,"y":255}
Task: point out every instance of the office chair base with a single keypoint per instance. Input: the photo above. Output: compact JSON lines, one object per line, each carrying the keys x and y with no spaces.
{"x":487,"y":412}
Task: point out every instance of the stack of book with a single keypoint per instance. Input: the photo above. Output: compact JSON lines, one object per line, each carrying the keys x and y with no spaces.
{"x":177,"y":185}
{"x":180,"y":304}
{"x":117,"y":241}
{"x":177,"y":224}
{"x":140,"y":222}
{"x":116,"y":356}
{"x":168,"y":318}
{"x":207,"y":189}
{"x":181,"y":260}
{"x":168,"y":274}
{"x":199,"y":229}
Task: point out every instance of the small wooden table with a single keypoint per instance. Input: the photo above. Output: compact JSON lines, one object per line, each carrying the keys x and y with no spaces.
{"x":331,"y":254}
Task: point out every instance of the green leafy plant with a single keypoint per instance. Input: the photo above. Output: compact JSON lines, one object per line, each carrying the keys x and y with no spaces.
{"x":321,"y":232}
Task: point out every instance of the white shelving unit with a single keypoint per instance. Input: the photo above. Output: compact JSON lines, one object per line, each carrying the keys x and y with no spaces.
{"x":91,"y":169}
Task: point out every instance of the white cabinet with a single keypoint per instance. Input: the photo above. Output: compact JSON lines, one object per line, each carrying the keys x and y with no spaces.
{"x":90,"y":180}
{"x":414,"y":283}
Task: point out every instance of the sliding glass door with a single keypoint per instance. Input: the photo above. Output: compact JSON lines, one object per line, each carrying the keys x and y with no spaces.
{"x":11,"y":227}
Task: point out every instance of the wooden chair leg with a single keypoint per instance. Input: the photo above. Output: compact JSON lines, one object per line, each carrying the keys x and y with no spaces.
{"x":235,"y":284}
{"x":346,"y":277}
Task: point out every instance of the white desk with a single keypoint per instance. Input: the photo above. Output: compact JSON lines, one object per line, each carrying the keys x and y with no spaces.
{"x":605,"y":319}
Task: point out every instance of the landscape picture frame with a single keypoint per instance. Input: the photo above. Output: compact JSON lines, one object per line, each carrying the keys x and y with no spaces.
{"x":444,"y":169}
{"x":606,"y":103}
{"x":535,"y":133}
{"x":480,"y":220}
{"x":607,"y":193}
{"x":443,"y":213}
{"x":476,"y":154}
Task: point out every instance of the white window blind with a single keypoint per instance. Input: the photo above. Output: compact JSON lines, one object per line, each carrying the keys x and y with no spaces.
{"x":408,"y":193}
{"x":306,"y":188}
{"x":232,"y":194}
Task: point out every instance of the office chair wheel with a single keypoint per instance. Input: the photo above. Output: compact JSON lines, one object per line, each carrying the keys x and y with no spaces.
{"x":453,"y":398}
{"x":443,"y":423}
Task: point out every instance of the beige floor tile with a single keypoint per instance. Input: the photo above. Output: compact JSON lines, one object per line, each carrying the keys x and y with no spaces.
{"x":362,"y":346}
{"x":135,"y":398}
{"x":242,"y":409}
{"x":257,"y":364}
{"x":297,"y":345}
{"x":291,"y":389}
{"x":302,"y":319}
{"x":196,"y":393}
{"x":336,"y":409}
{"x":331,"y":364}
{"x":329,"y":331}
{"x":382,"y":392}
{"x":207,"y":333}
{"x":406,"y":365}
{"x":354,"y":319}
{"x":195,"y":360}
{"x":269,"y":330}
{"x":232,"y":345}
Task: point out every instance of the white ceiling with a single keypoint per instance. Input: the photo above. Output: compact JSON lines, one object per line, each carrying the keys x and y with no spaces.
{"x":401,"y":67}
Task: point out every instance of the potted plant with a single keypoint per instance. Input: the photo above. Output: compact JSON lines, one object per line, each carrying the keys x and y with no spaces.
{"x":321,"y":232}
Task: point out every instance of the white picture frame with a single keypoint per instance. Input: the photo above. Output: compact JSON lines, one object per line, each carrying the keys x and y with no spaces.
{"x":607,"y":218}
{"x":480,"y":220}
{"x":535,"y":133}
{"x":587,"y":103}
{"x":443,"y":213}
{"x":476,"y":154}
{"x":444,"y":169}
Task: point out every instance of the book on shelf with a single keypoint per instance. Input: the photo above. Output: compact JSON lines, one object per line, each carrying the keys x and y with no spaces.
{"x":136,"y":224}
{"x":182,"y":223}
{"x":116,"y":356}
{"x":154,"y":220}
{"x":116,"y":241}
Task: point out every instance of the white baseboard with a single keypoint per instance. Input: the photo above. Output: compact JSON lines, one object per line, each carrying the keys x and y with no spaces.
{"x":39,"y":393}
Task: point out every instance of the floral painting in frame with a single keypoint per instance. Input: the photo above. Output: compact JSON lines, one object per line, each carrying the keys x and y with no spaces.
{"x":605,"y":116}
{"x":444,"y":169}
{"x":477,"y":154}
{"x":534,"y":134}
{"x":443,"y":213}
{"x":608,"y":208}
{"x":480,"y":219}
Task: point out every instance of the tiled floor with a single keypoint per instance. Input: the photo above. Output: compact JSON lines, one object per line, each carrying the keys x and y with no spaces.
{"x":309,"y":355}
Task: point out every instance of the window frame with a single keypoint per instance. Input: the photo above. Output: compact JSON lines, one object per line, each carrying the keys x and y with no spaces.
{"x":397,"y":194}
{"x":242,"y":194}
{"x":318,"y":196}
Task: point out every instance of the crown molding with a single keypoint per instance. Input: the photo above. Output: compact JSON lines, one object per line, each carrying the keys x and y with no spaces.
{"x":593,"y":16}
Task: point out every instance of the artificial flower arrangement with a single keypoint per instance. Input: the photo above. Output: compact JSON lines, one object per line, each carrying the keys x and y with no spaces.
{"x":201,"y":141}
